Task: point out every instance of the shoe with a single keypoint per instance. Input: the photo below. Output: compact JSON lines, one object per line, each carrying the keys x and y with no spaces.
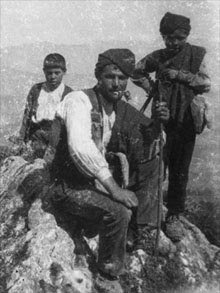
{"x":174,"y":228}
{"x":104,"y":284}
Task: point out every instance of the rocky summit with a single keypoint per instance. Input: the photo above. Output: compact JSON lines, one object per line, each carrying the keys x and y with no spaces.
{"x":43,"y":252}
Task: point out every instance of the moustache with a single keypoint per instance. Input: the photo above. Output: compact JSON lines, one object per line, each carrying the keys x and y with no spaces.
{"x":126,"y":94}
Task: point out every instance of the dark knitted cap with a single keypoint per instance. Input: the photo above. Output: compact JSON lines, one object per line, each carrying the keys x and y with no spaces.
{"x":171,"y":22}
{"x":123,"y":58}
{"x":54,"y":60}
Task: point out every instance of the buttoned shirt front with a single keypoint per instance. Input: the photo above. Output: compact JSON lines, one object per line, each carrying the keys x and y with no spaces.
{"x":48,"y":102}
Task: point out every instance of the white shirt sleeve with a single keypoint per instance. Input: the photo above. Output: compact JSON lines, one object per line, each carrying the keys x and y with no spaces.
{"x":75,"y":110}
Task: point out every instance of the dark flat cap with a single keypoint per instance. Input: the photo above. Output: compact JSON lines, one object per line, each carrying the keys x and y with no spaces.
{"x":123,"y":58}
{"x":171,"y":22}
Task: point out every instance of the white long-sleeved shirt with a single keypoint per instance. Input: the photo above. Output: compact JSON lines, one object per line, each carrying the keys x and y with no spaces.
{"x":48,"y":102}
{"x":75,"y":111}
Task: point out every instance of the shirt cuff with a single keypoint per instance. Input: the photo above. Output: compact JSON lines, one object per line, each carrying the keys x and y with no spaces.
{"x":103,"y":174}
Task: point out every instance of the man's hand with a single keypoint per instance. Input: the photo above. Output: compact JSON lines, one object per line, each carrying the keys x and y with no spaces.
{"x":162,"y":113}
{"x":169,"y":74}
{"x":126,"y":197}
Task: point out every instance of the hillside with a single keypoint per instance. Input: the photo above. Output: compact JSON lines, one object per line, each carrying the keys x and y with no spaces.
{"x":21,"y":67}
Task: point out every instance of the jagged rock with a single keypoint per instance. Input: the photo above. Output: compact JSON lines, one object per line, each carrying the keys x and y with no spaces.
{"x":203,"y":210}
{"x":191,"y":265}
{"x":38,"y":252}
{"x":16,"y":147}
{"x":31,"y":241}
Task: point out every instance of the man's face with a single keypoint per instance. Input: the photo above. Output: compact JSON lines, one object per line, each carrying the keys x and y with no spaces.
{"x":112,"y":83}
{"x":175,"y":42}
{"x":53,"y":77}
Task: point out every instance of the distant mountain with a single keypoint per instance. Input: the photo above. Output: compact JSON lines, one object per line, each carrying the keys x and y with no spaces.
{"x":21,"y":67}
{"x":80,"y":58}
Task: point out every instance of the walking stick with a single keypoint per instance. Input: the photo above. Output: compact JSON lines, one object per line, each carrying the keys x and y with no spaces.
{"x":146,"y":103}
{"x":149,"y":95}
{"x":160,"y":186}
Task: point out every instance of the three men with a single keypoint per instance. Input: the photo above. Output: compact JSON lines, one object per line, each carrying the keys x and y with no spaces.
{"x":101,"y":134}
{"x":181,"y":74}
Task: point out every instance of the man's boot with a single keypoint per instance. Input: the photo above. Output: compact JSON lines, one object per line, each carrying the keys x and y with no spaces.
{"x":174,"y":228}
{"x":105,"y":283}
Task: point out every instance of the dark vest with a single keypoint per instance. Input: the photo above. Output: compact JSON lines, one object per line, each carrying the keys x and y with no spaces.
{"x":133,"y":134}
{"x":63,"y":168}
{"x":178,"y":95}
{"x":96,"y":117}
{"x":28,"y":126}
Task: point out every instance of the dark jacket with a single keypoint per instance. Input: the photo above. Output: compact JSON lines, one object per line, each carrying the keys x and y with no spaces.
{"x":177,"y":93}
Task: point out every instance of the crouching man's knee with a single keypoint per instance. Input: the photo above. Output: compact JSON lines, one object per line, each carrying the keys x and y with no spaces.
{"x":124,"y":215}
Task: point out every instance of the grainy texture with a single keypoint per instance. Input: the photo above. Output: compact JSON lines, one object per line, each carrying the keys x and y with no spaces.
{"x":38,"y":251}
{"x":80,"y":30}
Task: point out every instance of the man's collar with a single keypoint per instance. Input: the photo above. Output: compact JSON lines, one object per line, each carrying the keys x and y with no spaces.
{"x":60,"y":88}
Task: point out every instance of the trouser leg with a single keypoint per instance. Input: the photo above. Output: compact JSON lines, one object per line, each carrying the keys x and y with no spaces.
{"x":146,"y":190}
{"x":179,"y":159}
{"x":112,"y":242}
{"x":111,"y":218}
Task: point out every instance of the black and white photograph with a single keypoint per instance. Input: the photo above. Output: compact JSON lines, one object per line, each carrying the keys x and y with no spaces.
{"x":110,"y":146}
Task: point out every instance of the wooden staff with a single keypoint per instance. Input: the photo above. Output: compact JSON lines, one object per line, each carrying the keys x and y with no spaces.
{"x":146,"y":103}
{"x":160,"y":187}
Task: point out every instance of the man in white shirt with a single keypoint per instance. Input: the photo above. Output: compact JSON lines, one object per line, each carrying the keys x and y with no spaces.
{"x":42,"y":102}
{"x":96,"y":120}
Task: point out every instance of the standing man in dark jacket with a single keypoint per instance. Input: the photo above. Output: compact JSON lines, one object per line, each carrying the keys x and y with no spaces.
{"x":42,"y":102}
{"x":180,"y":75}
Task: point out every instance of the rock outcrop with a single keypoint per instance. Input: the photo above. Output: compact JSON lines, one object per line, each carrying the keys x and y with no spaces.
{"x":40,"y":254}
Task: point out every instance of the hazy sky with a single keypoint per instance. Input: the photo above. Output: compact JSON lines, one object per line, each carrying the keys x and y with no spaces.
{"x":77,"y":22}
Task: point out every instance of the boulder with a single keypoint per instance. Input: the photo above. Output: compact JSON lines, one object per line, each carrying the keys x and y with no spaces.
{"x":37,"y":255}
{"x":40,"y":254}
